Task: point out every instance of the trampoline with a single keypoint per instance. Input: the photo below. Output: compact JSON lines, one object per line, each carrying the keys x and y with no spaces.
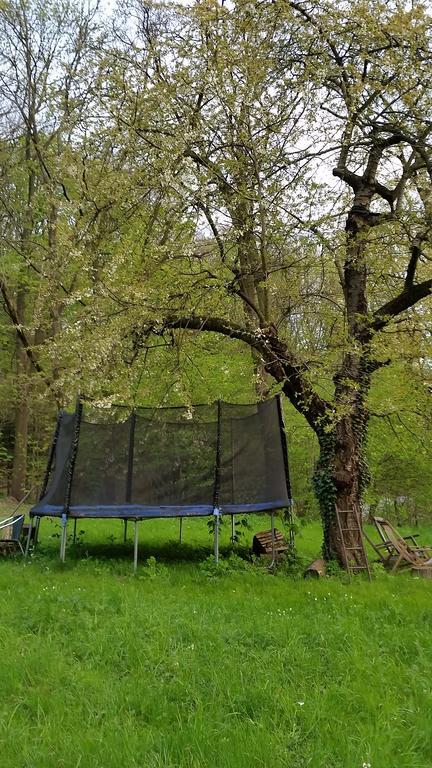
{"x":203,"y":460}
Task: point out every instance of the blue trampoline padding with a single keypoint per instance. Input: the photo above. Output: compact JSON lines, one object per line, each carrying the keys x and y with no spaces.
{"x":141,"y":512}
{"x":237,"y":509}
{"x":121,"y":511}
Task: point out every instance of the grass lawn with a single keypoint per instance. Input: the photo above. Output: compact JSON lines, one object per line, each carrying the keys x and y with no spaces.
{"x":182,"y":668}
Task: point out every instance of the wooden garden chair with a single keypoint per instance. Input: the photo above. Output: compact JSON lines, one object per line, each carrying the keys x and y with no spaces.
{"x":10,"y":534}
{"x":396,"y":550}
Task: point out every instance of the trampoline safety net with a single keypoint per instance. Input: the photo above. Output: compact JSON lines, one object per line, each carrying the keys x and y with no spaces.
{"x":167,"y":462}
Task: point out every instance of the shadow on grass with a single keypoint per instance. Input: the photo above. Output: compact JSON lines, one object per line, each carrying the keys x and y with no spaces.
{"x":165,"y":552}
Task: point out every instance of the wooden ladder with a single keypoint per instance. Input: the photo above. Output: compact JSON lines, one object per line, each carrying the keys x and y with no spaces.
{"x":356,"y":559}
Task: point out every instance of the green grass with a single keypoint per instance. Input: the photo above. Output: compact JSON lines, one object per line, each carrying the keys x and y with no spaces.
{"x":179,"y":668}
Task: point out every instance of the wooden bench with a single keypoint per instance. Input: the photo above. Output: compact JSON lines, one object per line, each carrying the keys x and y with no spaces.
{"x":262,"y":543}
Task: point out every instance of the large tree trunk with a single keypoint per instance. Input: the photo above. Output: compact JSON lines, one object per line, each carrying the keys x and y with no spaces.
{"x":342,"y":471}
{"x":19,"y":465}
{"x":339,"y":481}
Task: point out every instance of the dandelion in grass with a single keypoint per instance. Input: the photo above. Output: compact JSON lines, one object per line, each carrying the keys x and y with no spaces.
{"x":366,"y":765}
{"x":300,"y":703}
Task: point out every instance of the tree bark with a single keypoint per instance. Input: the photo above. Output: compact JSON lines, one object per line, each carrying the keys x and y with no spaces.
{"x":342,"y":472}
{"x":340,"y":478}
{"x":19,"y":465}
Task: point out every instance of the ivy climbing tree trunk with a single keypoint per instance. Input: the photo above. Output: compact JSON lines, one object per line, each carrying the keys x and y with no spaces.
{"x":342,"y":471}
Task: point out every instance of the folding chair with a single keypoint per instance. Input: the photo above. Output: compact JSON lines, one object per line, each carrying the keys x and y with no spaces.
{"x":10,"y":534}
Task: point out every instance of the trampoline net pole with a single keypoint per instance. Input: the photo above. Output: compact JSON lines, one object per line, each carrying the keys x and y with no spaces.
{"x":44,"y":485}
{"x":72,"y":460}
{"x":216,"y":490}
{"x":51,"y":454}
{"x":129,"y":477}
{"x":286,"y":466}
{"x":232,"y":477}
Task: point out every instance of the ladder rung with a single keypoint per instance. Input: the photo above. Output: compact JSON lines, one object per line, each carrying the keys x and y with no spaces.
{"x":354,"y":549}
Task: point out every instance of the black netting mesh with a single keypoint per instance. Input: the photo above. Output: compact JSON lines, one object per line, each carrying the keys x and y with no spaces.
{"x":101,"y":464}
{"x":174,"y":456}
{"x":161,"y":461}
{"x":252,"y":462}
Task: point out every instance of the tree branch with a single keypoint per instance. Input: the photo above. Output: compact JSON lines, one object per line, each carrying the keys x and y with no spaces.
{"x":279,"y":362}
{"x":412,"y":264}
{"x":198,"y":323}
{"x":409,"y":296}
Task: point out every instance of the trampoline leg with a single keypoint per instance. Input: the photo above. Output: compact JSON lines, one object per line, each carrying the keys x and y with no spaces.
{"x":74,"y":533}
{"x":181,"y":531}
{"x":125,"y":532}
{"x":273,"y":541}
{"x":28,"y":537}
{"x":232,"y":529}
{"x":63,"y":538}
{"x":291,"y":532}
{"x":136,"y":546}
{"x":36,"y":536}
{"x":216,"y":514}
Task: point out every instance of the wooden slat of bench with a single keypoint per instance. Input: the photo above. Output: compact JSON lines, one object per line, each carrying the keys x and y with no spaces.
{"x":263,"y":542}
{"x":266,"y":537}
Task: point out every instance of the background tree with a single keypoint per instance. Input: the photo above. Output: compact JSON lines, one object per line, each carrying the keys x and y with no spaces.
{"x":44,"y":94}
